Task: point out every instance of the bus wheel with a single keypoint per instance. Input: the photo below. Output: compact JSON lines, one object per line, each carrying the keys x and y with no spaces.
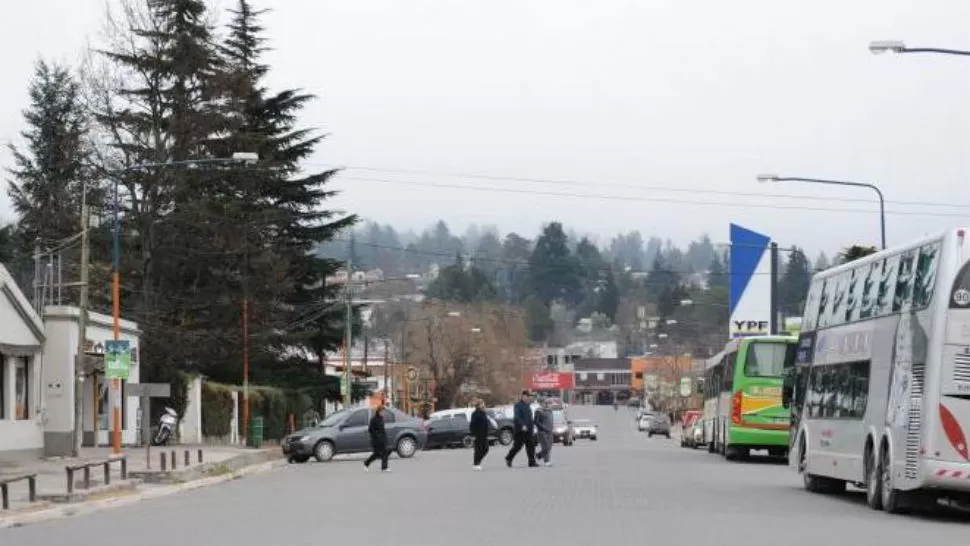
{"x":873,"y":480}
{"x":893,"y":500}
{"x":732,"y":453}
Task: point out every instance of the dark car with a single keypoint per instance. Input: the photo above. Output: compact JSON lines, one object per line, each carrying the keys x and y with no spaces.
{"x":506,"y":429}
{"x":449,"y":431}
{"x":346,"y":432}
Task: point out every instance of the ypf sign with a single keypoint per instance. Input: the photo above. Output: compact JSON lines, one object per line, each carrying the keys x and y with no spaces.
{"x":750,"y":283}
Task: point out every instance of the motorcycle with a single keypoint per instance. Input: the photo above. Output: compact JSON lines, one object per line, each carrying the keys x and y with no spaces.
{"x":165,"y":427}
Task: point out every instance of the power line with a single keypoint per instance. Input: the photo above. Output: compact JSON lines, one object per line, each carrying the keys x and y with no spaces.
{"x":625,"y":198}
{"x":640,"y":187}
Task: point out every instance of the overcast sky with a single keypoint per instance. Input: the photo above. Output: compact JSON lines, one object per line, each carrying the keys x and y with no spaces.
{"x":644,"y":106}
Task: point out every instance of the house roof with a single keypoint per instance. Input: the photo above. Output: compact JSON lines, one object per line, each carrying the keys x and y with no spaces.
{"x":23,"y":330}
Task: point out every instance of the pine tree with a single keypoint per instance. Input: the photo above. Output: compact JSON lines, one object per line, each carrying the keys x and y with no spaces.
{"x":283,"y":209}
{"x":794,"y":283}
{"x":50,"y":173}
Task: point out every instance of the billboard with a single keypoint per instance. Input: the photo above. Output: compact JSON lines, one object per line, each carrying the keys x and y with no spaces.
{"x":750,"y":273}
{"x":548,"y":381}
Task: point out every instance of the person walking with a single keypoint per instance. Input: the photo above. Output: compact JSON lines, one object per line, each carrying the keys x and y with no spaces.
{"x":524,"y":430}
{"x":478,"y":427}
{"x":543,"y":422}
{"x":378,"y":440}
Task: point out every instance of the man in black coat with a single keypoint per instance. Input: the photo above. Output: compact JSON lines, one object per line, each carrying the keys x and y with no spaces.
{"x":524,"y":430}
{"x":478,"y":427}
{"x":378,"y":440}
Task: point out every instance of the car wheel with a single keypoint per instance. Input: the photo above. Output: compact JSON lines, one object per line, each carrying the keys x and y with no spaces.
{"x":593,"y":438}
{"x":505,"y":437}
{"x":299,"y":459}
{"x":406,"y":447}
{"x":467,"y":441}
{"x":649,"y":435}
{"x":667,"y":435}
{"x":323,"y":451}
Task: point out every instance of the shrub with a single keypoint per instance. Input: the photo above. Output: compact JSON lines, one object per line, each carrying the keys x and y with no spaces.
{"x":216,"y":409}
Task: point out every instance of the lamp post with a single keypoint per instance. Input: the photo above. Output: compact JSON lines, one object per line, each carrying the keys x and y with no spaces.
{"x":241,"y":157}
{"x":882,"y":202}
{"x":896,"y":46}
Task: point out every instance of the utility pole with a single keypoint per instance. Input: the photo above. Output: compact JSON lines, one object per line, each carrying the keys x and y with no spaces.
{"x":773,"y":321}
{"x":82,"y":325}
{"x":347,"y":334}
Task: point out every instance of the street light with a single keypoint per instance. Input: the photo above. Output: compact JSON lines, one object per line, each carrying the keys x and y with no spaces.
{"x":882,"y":203}
{"x":246,"y":158}
{"x":879,"y":47}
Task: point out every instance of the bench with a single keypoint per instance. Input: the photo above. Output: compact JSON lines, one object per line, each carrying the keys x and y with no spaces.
{"x":5,"y":482}
{"x":85,"y":468}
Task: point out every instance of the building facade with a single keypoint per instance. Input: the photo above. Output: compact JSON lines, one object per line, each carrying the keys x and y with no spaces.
{"x":602,"y":381}
{"x":22,"y":413}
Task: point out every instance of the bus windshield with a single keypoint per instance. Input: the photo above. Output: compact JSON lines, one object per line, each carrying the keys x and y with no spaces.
{"x":767,"y":359}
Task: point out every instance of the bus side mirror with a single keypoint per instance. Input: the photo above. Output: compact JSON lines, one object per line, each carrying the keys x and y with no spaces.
{"x":786,"y":395}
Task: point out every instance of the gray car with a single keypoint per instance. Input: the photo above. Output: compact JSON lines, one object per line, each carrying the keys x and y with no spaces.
{"x":346,"y":432}
{"x":657,"y":423}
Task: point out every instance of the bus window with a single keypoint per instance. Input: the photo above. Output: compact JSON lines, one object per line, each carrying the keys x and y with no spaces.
{"x":904,"y":283}
{"x":768,"y":359}
{"x":887,"y":286}
{"x":728,"y":383}
{"x":925,"y":275}
{"x":868,"y":291}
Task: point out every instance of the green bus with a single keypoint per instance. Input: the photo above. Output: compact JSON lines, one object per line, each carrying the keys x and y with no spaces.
{"x":743,"y":408}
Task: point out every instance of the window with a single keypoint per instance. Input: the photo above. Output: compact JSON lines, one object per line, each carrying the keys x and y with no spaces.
{"x":550,"y":360}
{"x":359,"y":418}
{"x":22,"y":388}
{"x":333,"y":419}
{"x":926,"y":266}
{"x":600,"y":376}
{"x":811,"y":306}
{"x":868,"y":303}
{"x":903,"y":299}
{"x":767,"y":359}
{"x":887,"y":286}
{"x":389,"y":416}
{"x":837,"y":311}
{"x":583,"y":376}
{"x":727,"y":382}
{"x":824,"y":303}
{"x":853,"y":295}
{"x":838,"y":391}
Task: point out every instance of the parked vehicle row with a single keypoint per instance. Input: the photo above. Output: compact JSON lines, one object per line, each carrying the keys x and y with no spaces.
{"x":345,"y":432}
{"x":653,"y":422}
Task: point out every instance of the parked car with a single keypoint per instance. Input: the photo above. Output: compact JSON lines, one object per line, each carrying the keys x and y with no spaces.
{"x":346,"y":432}
{"x":643,"y":420}
{"x":448,"y":431}
{"x":694,"y":435}
{"x":584,"y":429}
{"x":562,"y":430}
{"x":658,"y":423}
{"x":500,"y":427}
{"x":505,"y":428}
{"x":687,"y":436}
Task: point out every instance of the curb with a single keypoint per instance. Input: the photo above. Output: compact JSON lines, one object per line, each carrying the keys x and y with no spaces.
{"x":58,"y":512}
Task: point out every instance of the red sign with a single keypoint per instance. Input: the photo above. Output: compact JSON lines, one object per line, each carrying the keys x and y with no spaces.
{"x":547,"y":381}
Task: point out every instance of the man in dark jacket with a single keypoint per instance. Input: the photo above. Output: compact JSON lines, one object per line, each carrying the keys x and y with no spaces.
{"x":524,"y":430}
{"x":378,"y":440}
{"x":478,"y":427}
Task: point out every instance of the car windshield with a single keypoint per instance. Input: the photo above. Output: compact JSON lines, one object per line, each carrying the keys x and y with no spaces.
{"x":333,"y":419}
{"x":581,"y":422}
{"x":558,"y":417}
{"x":766,"y":359}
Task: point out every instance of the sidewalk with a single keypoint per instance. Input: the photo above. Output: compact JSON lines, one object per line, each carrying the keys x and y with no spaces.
{"x":143,"y":475}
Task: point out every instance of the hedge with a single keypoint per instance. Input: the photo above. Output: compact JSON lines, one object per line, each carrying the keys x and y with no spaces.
{"x":273,"y":404}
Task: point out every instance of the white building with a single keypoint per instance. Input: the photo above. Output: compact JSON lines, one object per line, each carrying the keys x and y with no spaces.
{"x":22,"y":414}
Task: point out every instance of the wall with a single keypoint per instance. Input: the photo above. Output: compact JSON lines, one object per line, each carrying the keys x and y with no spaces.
{"x":60,"y":348}
{"x":190,"y":424}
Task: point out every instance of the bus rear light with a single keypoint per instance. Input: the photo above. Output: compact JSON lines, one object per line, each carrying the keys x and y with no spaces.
{"x":738,"y":399}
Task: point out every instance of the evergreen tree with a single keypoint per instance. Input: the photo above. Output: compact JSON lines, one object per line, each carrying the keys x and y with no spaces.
{"x":855,"y":252}
{"x":283,"y":207}
{"x":460,"y":283}
{"x":717,"y":276}
{"x":794,"y":283}
{"x":553,"y":271}
{"x":50,"y":173}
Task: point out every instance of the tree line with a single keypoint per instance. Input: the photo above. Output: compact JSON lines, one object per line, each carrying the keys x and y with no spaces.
{"x":168,"y":86}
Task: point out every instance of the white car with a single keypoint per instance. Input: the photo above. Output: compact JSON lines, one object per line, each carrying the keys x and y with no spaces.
{"x":584,"y":428}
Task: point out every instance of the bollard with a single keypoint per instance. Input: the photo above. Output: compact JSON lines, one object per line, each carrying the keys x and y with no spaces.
{"x":187,"y":462}
{"x":174,"y":462}
{"x":107,"y":473}
{"x":200,"y":456}
{"x":87,"y":477}
{"x":162,"y":460}
{"x":124,"y":468}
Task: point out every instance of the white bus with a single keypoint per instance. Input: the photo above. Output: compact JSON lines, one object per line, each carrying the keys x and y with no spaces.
{"x":714,"y":399}
{"x":885,"y":342}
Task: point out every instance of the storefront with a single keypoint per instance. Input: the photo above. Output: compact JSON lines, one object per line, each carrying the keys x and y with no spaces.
{"x":21,"y":343}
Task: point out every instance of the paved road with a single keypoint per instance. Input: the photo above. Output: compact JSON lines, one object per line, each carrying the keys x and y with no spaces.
{"x":623,"y":488}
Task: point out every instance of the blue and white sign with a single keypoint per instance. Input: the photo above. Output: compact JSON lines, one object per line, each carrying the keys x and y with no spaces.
{"x":750,"y":272}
